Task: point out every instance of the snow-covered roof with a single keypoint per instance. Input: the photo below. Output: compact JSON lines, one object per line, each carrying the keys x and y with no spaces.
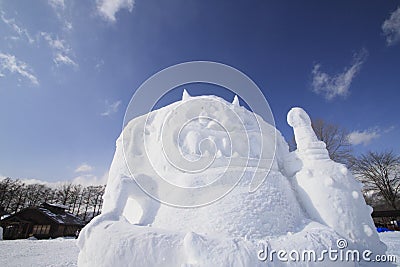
{"x":4,"y":216}
{"x":58,"y":216}
{"x":62,"y":218}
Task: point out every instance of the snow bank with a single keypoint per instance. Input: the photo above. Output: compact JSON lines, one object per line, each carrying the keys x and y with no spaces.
{"x":181,"y":192}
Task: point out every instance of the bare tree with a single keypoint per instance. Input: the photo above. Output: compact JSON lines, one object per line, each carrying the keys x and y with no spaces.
{"x":380,"y":172}
{"x":74,"y":198}
{"x":64,"y":193}
{"x":85,"y":202}
{"x":335,"y":138}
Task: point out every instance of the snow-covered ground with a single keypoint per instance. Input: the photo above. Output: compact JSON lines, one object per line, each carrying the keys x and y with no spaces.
{"x":392,"y":241}
{"x":64,"y":252}
{"x":24,"y":253}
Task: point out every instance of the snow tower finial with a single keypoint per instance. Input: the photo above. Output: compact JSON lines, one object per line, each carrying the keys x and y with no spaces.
{"x":235,"y":101}
{"x":185,"y":95}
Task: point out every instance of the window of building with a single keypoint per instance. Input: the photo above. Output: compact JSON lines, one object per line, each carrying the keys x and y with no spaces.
{"x":41,"y":229}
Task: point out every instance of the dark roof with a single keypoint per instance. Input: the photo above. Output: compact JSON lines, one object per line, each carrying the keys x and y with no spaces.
{"x":61,"y":218}
{"x":58,"y":215}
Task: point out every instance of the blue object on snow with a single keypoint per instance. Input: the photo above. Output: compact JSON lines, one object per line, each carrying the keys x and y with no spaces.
{"x":383,"y":229}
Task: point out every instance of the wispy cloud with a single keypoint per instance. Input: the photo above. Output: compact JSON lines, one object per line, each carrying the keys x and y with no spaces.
{"x":59,"y":7}
{"x":84,"y":167}
{"x":365,"y":137}
{"x":99,"y":65}
{"x":12,"y":64}
{"x":57,"y":4}
{"x":332,"y":86}
{"x":55,"y":43}
{"x":30,"y":181}
{"x":108,"y":8}
{"x":63,"y":59}
{"x":391,"y":28}
{"x":90,"y":179}
{"x":62,"y":52}
{"x":111,"y":108}
{"x":22,"y":32}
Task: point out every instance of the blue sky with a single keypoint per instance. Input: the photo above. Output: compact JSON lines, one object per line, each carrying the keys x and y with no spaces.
{"x":69,"y":68}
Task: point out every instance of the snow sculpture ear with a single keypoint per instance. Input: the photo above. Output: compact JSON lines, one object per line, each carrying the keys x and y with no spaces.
{"x":235,"y":101}
{"x":185,"y":95}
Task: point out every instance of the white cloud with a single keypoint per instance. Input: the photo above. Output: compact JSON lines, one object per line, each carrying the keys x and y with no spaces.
{"x":22,"y":32}
{"x":12,"y":64}
{"x":30,"y":181}
{"x":63,"y":59}
{"x":99,"y":65}
{"x":363,"y":137}
{"x":57,"y":4}
{"x":68,"y":25}
{"x":62,"y":52}
{"x":339,"y":84}
{"x":55,"y":43}
{"x":59,"y":7}
{"x":391,"y":28}
{"x":389,"y":129}
{"x":108,"y":8}
{"x":84,"y":168}
{"x":111,"y":108}
{"x":90,"y":179}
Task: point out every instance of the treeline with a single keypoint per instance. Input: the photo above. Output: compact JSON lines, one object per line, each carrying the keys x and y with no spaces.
{"x":85,"y":202}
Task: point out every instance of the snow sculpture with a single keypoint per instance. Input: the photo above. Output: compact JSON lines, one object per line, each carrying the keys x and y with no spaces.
{"x":307,"y":201}
{"x":329,"y":192}
{"x":235,"y":101}
{"x":185,"y":95}
{"x":306,"y":140}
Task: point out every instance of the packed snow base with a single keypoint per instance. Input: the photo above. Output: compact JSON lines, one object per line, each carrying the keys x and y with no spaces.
{"x":62,"y":252}
{"x":206,"y":152}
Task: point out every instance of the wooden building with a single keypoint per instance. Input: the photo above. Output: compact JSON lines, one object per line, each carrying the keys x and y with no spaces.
{"x":387,"y":218}
{"x":45,"y":221}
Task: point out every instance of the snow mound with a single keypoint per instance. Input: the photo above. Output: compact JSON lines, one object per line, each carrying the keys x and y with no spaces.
{"x":204,"y":182}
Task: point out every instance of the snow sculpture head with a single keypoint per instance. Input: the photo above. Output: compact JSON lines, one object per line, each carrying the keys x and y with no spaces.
{"x":297,"y":117}
{"x":226,"y":232}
